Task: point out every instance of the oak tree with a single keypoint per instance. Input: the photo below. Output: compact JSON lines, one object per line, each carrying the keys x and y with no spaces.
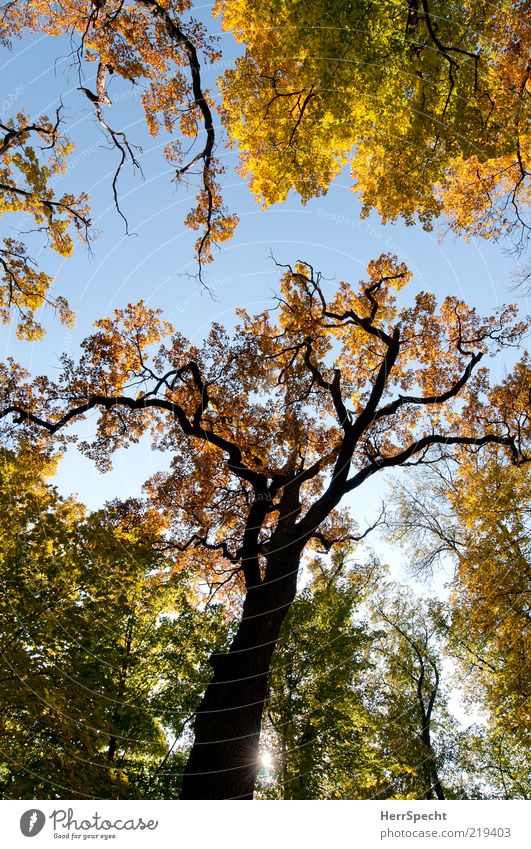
{"x":269,"y":430}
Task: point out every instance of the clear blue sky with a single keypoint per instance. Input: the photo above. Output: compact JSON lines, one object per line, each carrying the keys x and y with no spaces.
{"x":150,"y":263}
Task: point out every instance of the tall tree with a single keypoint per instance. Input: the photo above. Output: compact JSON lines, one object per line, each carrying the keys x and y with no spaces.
{"x":490,"y":602}
{"x":268,"y":435}
{"x":412,"y":699}
{"x":426,"y":100}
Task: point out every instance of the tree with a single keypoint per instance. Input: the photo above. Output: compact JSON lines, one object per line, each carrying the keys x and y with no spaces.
{"x":318,"y":731}
{"x":490,"y":600}
{"x":412,"y":699}
{"x":426,"y":101}
{"x":100,"y":645}
{"x":358,"y":703}
{"x":267,"y":437}
{"x":497,"y":765}
{"x":479,"y":515}
{"x":148,"y":45}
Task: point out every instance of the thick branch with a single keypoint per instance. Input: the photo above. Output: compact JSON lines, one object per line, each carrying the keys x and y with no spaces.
{"x":333,"y":386}
{"x":427,"y":442}
{"x":195,"y":428}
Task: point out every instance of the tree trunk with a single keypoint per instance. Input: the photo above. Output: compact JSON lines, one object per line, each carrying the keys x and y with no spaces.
{"x":432,"y":774}
{"x":223,"y":763}
{"x":437,"y":786}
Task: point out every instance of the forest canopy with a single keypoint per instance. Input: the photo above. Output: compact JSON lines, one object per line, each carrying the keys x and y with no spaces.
{"x":234,"y":628}
{"x":427,"y":103}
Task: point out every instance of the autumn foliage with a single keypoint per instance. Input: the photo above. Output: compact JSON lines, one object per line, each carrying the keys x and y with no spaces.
{"x":145,"y":45}
{"x":427,"y":103}
{"x":268,"y":431}
{"x":269,"y":428}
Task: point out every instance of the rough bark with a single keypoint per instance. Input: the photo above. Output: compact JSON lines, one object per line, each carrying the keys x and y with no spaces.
{"x":223,"y":763}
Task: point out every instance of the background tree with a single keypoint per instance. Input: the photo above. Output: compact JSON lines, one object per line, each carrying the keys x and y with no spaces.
{"x":478,"y":514}
{"x":416,"y":733}
{"x":358,"y":703}
{"x":268,"y":435}
{"x":317,"y":728}
{"x":491,"y":612}
{"x":475,"y":516}
{"x":428,"y":103}
{"x":102,"y":651}
{"x":495,"y":763}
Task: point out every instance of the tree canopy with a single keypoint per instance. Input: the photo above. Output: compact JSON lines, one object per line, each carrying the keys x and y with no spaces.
{"x":427,"y":103}
{"x":32,"y":153}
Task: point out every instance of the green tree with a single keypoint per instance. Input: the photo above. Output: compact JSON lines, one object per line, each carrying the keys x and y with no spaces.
{"x":358,"y":701}
{"x":416,"y":732}
{"x":318,"y":729}
{"x":102,"y":654}
{"x":477,"y":515}
{"x":495,"y":763}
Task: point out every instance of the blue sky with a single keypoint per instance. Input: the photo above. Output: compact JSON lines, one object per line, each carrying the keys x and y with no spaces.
{"x":153,"y":261}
